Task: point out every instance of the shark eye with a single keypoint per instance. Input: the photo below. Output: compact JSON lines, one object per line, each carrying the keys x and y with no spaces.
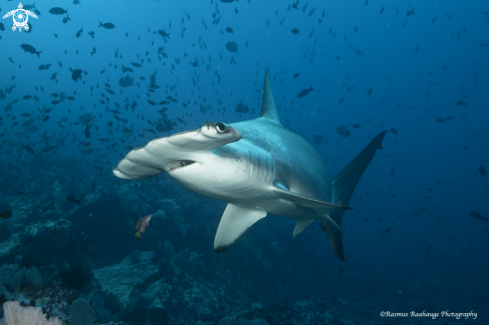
{"x":221,"y":127}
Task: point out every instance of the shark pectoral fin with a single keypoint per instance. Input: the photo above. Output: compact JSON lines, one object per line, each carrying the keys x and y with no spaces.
{"x":234,"y":222}
{"x":300,"y":226}
{"x":307,"y":201}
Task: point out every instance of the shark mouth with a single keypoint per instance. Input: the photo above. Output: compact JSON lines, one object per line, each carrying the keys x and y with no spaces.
{"x":173,"y":165}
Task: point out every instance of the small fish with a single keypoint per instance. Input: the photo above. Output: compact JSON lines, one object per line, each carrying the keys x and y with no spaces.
{"x":78,"y":34}
{"x":382,"y":10}
{"x":343,"y":131}
{"x":304,"y":92}
{"x":369,"y":91}
{"x":460,"y":103}
{"x":232,"y":47}
{"x":483,"y":171}
{"x":106,"y":25}
{"x":478,"y":216}
{"x":87,"y":131}
{"x":296,"y":75}
{"x":356,"y":126}
{"x":66,"y":19}
{"x":410,"y":12}
{"x":394,"y":131}
{"x":76,"y":74}
{"x":386,"y":230}
{"x":229,"y":30}
{"x":141,"y":225}
{"x":30,"y":49}
{"x":58,"y":11}
{"x":73,"y":199}
{"x":28,"y":149}
{"x":242,"y":108}
{"x":164,"y":34}
{"x":5,"y":214}
{"x":295,"y":31}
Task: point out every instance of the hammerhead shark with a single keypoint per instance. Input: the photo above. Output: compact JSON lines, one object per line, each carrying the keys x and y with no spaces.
{"x":258,"y":167}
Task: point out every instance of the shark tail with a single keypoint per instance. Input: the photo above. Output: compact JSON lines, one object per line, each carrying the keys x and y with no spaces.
{"x":37,"y":53}
{"x":343,"y":186}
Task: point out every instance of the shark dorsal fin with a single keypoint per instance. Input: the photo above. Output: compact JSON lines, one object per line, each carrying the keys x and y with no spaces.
{"x":268,"y":109}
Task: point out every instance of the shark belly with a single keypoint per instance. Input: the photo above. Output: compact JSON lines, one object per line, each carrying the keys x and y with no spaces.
{"x":233,"y":173}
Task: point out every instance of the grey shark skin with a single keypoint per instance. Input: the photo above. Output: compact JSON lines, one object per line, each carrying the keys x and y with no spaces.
{"x":258,"y":167}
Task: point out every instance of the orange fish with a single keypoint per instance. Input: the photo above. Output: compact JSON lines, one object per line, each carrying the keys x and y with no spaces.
{"x":141,"y":225}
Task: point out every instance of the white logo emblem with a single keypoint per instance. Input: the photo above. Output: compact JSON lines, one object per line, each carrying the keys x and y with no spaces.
{"x":20,"y":17}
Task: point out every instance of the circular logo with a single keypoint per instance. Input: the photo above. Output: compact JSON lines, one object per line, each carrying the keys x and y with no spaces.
{"x":20,"y":18}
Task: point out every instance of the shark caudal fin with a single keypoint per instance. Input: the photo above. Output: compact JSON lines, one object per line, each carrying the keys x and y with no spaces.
{"x":343,"y":186}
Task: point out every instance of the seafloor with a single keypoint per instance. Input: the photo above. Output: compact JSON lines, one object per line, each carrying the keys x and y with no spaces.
{"x":62,"y":252}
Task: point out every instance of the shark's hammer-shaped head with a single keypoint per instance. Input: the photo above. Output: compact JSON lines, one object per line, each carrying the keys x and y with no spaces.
{"x":177,"y":152}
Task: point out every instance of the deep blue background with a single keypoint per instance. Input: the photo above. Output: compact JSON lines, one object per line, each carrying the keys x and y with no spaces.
{"x":404,"y":96}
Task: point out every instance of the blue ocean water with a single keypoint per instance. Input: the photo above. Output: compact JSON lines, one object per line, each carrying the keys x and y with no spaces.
{"x":90,"y":81}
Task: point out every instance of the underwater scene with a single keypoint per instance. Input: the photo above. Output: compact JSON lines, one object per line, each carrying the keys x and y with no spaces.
{"x":244,"y":162}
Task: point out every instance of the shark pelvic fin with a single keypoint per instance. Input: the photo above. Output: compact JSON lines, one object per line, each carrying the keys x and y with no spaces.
{"x":301,"y":225}
{"x":268,"y":109}
{"x":306,"y":201}
{"x":335,"y":236}
{"x":234,"y":222}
